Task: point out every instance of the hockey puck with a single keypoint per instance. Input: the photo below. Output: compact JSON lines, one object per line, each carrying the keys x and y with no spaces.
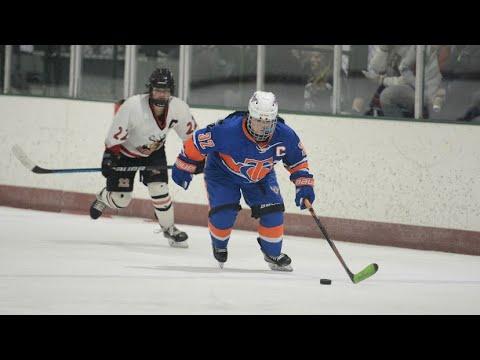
{"x":325,"y":281}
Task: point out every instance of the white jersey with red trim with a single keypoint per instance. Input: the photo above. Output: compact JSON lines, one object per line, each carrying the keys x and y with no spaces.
{"x":137,"y":133}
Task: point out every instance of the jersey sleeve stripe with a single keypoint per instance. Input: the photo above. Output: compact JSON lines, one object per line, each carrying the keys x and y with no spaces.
{"x":296,"y":164}
{"x":191,"y":151}
{"x":115,"y":149}
{"x":299,"y":167}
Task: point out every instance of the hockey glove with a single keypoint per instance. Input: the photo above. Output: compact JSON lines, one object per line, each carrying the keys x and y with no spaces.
{"x":109,"y":161}
{"x":304,"y":188}
{"x":200,"y":167}
{"x":183,"y":170}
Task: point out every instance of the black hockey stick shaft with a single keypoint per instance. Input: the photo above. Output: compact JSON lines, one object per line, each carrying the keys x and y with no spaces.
{"x":325,"y":234}
{"x":40,"y":170}
{"x":30,"y":165}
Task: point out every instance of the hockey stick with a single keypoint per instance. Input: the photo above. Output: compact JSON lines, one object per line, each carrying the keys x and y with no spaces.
{"x":30,"y":165}
{"x":356,"y":278}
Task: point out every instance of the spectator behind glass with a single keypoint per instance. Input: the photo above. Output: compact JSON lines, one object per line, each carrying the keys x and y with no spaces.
{"x":318,"y":90}
{"x":392,"y":68}
{"x":462,"y":72}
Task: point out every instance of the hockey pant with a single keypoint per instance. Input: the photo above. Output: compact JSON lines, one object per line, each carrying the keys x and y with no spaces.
{"x":263,"y":198}
{"x":118,"y":192}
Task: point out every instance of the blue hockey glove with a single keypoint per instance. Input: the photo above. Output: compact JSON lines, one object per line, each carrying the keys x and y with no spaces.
{"x":304,"y":192}
{"x":304,"y":188}
{"x":182,"y":171}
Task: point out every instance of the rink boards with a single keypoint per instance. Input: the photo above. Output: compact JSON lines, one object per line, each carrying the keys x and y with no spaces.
{"x":398,"y":183}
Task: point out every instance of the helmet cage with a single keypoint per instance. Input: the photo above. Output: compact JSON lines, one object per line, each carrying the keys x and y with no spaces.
{"x":160,"y":79}
{"x":267,"y":130}
{"x":262,"y":115}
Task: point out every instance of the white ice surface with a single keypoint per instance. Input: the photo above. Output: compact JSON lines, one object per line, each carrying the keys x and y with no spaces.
{"x":53,"y":263}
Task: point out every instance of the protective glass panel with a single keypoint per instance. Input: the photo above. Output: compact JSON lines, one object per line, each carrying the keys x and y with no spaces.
{"x":102,"y":72}
{"x":150,"y":57}
{"x":223,"y":75}
{"x":457,"y":95}
{"x":357,"y":91}
{"x":378,"y":80}
{"x":2,"y":67}
{"x":301,"y":76}
{"x":41,"y":70}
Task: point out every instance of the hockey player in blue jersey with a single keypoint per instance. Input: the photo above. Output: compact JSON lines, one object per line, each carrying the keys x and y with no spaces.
{"x":241,"y":152}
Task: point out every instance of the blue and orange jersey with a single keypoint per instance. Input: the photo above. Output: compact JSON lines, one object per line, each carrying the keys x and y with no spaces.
{"x":232,"y":149}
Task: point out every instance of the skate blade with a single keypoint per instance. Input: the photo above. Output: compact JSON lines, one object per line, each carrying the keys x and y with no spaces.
{"x":274,"y":267}
{"x":220,"y":265}
{"x":175,"y":244}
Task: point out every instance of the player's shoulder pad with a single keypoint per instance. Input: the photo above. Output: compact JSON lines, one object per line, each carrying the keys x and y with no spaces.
{"x":283,"y":128}
{"x":127,"y":104}
{"x":235,"y":114}
{"x":226,"y":120}
{"x":179,"y":109}
{"x":117,"y":104}
{"x":175,"y":101}
{"x":132,"y":100}
{"x":281,"y":124}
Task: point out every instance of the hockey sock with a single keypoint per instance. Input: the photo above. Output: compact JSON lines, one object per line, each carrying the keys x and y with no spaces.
{"x":219,"y":237}
{"x":220,"y":225}
{"x":162,"y":203}
{"x":270,"y":230}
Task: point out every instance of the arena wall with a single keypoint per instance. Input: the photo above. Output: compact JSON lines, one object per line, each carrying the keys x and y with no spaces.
{"x":411,"y":184}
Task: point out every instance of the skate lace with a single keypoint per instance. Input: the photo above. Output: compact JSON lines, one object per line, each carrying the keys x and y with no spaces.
{"x":277,"y":258}
{"x":100,"y":206}
{"x":172,"y":230}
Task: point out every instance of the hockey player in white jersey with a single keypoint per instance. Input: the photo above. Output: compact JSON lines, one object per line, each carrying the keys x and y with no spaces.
{"x":137,"y":138}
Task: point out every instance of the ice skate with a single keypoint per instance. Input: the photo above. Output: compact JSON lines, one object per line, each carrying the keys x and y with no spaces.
{"x":277,"y":263}
{"x":176,"y":238}
{"x":97,"y":207}
{"x":220,"y":255}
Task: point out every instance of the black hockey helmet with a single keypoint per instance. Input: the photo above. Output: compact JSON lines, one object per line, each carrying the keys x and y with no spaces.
{"x":161,"y":79}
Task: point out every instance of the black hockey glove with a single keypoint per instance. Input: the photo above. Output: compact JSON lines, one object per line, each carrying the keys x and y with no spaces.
{"x":200,"y":167}
{"x":109,"y":161}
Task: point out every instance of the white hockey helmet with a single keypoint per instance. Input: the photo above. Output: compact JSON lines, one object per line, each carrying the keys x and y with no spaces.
{"x":263,"y":111}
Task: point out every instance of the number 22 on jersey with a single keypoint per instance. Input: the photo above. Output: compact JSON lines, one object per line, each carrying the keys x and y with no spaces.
{"x":205,"y":140}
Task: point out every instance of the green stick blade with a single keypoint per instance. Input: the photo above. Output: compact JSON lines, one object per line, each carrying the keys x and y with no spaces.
{"x":365,"y":273}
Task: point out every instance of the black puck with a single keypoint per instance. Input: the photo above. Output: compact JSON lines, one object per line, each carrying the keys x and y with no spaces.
{"x":325,"y":281}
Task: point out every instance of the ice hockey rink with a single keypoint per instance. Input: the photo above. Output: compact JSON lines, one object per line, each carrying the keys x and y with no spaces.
{"x":57,"y":263}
